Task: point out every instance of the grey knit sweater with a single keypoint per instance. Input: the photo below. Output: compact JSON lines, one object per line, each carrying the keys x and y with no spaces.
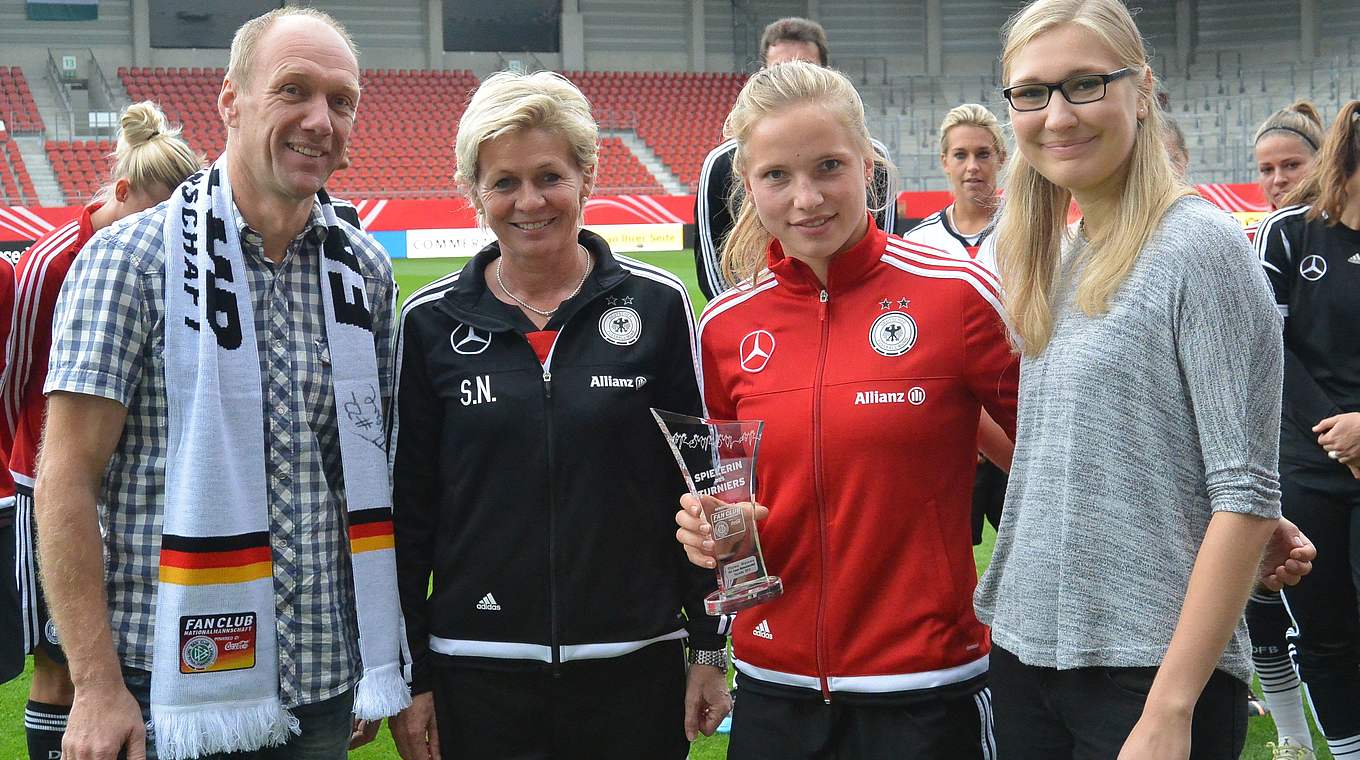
{"x":1135,"y":426}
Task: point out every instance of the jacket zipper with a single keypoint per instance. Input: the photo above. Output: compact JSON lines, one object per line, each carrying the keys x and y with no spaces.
{"x":824,"y":318}
{"x":555,"y":635}
{"x":554,"y":638}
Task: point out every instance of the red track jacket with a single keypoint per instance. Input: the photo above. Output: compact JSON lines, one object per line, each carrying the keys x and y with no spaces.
{"x":39,"y":275}
{"x":870,"y":390}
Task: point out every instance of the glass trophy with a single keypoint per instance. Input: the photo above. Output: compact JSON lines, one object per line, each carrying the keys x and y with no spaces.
{"x":718,"y":458}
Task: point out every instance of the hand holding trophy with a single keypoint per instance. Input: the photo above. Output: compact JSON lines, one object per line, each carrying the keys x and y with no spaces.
{"x":717,"y":459}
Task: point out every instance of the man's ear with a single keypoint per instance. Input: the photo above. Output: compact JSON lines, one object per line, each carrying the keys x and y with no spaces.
{"x":226,"y":104}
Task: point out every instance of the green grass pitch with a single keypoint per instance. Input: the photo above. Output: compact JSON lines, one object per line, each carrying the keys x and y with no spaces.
{"x":412,"y":274}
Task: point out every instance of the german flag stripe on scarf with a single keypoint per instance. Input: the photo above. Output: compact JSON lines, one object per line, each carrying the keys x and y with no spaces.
{"x":200,"y":561}
{"x":370,"y":530}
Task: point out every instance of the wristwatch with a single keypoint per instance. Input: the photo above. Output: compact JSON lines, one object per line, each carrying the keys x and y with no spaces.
{"x":714,"y":657}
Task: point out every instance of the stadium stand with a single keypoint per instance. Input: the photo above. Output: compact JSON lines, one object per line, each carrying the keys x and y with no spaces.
{"x":81,"y":166}
{"x":408,"y":152}
{"x":408,"y":148}
{"x":188,"y":96}
{"x":16,"y":187}
{"x":17,"y":108}
{"x":1241,"y":65}
{"x":678,"y":115}
{"x":620,"y":170}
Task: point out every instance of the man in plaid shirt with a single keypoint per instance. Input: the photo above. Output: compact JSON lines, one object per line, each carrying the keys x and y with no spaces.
{"x":289,"y":102}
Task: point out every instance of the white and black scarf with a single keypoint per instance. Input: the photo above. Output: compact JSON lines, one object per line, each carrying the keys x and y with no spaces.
{"x":215,"y":676}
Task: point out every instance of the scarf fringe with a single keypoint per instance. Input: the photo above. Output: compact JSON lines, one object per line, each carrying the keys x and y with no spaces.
{"x":381,"y":692}
{"x":183,"y":733}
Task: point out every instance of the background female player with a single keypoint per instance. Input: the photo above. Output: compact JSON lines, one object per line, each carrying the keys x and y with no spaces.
{"x":531,"y":480}
{"x":1143,"y":487}
{"x":150,"y":161}
{"x":1285,"y":146}
{"x":1309,"y":252}
{"x":972,"y":151}
{"x":869,"y":359}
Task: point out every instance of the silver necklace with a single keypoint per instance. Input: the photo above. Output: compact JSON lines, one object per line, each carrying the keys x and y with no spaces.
{"x":550,"y":312}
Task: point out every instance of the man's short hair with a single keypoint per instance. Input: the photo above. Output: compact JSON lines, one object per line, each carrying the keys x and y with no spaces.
{"x":243,"y":43}
{"x":794,"y":29}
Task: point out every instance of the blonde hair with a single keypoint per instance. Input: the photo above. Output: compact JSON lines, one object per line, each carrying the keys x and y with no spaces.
{"x":509,"y":102}
{"x":248,"y":36}
{"x":1034,"y":210}
{"x":150,"y":153}
{"x":767,"y":92}
{"x":1324,"y":186}
{"x":972,"y":115}
{"x":1299,"y":119}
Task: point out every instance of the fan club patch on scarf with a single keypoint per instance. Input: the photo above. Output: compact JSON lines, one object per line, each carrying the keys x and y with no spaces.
{"x":211,"y":643}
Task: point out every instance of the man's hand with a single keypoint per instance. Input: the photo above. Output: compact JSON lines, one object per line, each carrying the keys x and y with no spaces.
{"x":707,"y":700}
{"x":1288,"y":557}
{"x":414,"y":731}
{"x":105,"y":720}
{"x":363,"y":732}
{"x":1339,"y":435}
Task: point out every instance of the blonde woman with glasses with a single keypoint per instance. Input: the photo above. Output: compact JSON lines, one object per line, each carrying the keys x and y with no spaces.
{"x":1143,"y":488}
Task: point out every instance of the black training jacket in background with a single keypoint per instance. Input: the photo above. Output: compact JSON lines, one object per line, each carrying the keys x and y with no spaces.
{"x":1314,"y":269}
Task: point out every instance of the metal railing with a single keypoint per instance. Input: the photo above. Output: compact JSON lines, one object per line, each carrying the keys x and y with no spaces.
{"x":864,"y":70}
{"x":111,"y":99}
{"x":64,"y":127}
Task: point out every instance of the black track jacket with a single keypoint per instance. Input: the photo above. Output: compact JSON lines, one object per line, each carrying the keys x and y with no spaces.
{"x":542,"y":496}
{"x":1314,"y":269}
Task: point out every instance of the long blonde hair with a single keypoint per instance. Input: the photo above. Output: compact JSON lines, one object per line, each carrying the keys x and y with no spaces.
{"x":767,"y":92}
{"x":1034,"y":210}
{"x":1338,"y":157}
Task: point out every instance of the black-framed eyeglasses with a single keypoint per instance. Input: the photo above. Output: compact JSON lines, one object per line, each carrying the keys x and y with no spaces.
{"x":1082,"y":88}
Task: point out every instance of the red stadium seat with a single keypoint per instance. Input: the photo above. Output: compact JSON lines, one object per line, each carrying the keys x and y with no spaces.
{"x":407,"y":147}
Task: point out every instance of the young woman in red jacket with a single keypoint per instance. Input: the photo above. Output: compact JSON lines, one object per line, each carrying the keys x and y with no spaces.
{"x":869,"y":359}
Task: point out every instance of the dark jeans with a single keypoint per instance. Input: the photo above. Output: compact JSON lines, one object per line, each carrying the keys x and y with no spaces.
{"x":1327,"y":510}
{"x":326,"y":726}
{"x":767,"y":726}
{"x":1087,"y":713}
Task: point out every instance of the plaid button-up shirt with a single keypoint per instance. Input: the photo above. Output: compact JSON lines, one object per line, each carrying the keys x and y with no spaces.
{"x":109,"y":338}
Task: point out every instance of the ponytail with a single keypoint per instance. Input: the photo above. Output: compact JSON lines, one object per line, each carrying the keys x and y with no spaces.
{"x":1337,"y":160}
{"x":150,"y":153}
